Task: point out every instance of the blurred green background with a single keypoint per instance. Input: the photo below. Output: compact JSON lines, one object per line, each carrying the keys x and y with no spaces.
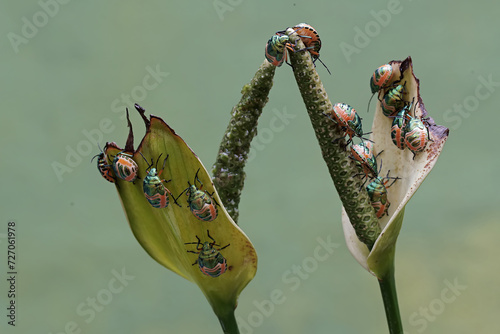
{"x":70,"y":76}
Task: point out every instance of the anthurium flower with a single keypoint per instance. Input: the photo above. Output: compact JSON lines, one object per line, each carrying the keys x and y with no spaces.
{"x":185,"y":227}
{"x":410,"y":168}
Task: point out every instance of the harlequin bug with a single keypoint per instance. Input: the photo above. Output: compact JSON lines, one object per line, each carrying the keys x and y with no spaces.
{"x":348,"y":120}
{"x":377,"y":191}
{"x":210,"y":260}
{"x":363,"y":155}
{"x":275,"y":49}
{"x":125,"y":167}
{"x":381,"y":77}
{"x":311,"y":40}
{"x":155,"y":191}
{"x":201,"y":203}
{"x":393,"y":102}
{"x":398,"y":127}
{"x":416,"y":136}
{"x":103,"y":167}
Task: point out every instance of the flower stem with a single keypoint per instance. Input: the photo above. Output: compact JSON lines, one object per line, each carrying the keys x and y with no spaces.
{"x":228,"y":173}
{"x":228,"y":323}
{"x":389,"y":295}
{"x":342,"y":169}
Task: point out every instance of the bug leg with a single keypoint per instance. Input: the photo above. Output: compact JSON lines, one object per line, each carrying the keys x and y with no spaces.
{"x":176,"y":198}
{"x":223,"y":247}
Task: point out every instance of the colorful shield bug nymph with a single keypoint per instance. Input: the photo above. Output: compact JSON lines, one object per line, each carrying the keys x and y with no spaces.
{"x":210,"y":260}
{"x":125,"y":167}
{"x":311,"y":40}
{"x":348,"y":120}
{"x":201,"y":203}
{"x":393,"y":102}
{"x":381,"y":78}
{"x":399,"y":126}
{"x":103,"y":167}
{"x":275,"y":49}
{"x":155,"y":191}
{"x":363,"y":155}
{"x":416,"y":135}
{"x":377,"y":191}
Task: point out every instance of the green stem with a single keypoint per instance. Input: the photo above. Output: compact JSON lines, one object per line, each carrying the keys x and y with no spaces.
{"x":228,"y":323}
{"x":389,"y":295}
{"x":344,"y":172}
{"x":228,"y":173}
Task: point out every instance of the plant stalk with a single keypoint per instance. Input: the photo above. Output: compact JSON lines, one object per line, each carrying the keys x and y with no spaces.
{"x":389,"y":295}
{"x":228,"y":173}
{"x":228,"y":323}
{"x":344,"y":172}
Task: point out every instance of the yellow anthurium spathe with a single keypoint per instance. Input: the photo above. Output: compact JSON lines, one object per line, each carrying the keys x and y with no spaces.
{"x":170,"y":235}
{"x":401,"y":163}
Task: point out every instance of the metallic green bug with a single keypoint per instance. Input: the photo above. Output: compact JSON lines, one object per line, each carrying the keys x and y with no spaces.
{"x":363,"y":155}
{"x":348,"y":120}
{"x":416,"y":135}
{"x":103,"y":167}
{"x":398,"y":128}
{"x":276,"y":49}
{"x":125,"y":167}
{"x":377,"y":191}
{"x":155,"y":191}
{"x":311,"y":40}
{"x":210,"y":260}
{"x":381,"y":77}
{"x":201,"y":203}
{"x":393,"y":102}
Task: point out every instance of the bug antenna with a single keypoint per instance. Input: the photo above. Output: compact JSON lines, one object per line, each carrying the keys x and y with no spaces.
{"x":157,"y":160}
{"x":324,"y":66}
{"x":368,"y":109}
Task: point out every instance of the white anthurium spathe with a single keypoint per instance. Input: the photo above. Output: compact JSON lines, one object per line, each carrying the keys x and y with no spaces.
{"x":410,"y":170}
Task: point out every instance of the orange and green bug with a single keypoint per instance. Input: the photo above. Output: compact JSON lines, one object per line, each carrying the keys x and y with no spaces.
{"x":125,"y":167}
{"x":416,"y":135}
{"x":363,"y":155}
{"x":348,"y":120}
{"x":155,"y":191}
{"x":398,"y":128}
{"x":381,"y":77}
{"x":200,"y":202}
{"x":393,"y":102}
{"x":210,"y":260}
{"x":377,"y":191}
{"x":275,"y":49}
{"x":311,"y":40}
{"x":103,"y":167}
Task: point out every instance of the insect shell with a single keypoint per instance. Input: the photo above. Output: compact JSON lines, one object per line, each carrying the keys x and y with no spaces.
{"x":348,"y":120}
{"x":377,"y":191}
{"x":416,"y":135}
{"x":200,"y":202}
{"x":125,"y":167}
{"x":363,"y":155}
{"x":398,"y":128}
{"x":393,"y":102}
{"x":210,"y":260}
{"x":104,"y":168}
{"x":275,"y":49}
{"x":154,"y":190}
{"x":311,"y":40}
{"x":381,"y":77}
